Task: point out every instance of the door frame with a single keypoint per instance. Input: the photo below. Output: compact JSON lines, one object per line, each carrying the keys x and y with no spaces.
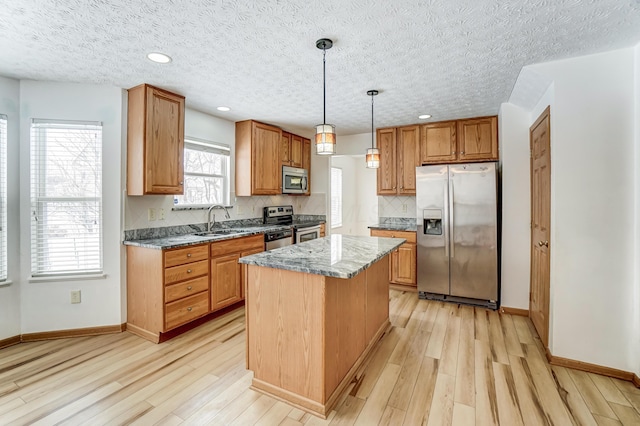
{"x":546,"y":114}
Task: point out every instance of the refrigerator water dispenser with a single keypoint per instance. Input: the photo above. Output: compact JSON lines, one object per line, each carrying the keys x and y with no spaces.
{"x":432,"y":221}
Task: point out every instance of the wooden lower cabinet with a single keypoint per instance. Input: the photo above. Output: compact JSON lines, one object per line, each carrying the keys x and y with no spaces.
{"x":323,"y":230}
{"x":170,"y":288}
{"x":402,"y":262}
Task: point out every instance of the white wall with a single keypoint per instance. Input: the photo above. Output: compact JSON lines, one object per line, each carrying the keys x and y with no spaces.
{"x":366,"y":198}
{"x":46,"y":304}
{"x":516,"y":206}
{"x":592,"y":206}
{"x":635,"y":337}
{"x":10,"y":293}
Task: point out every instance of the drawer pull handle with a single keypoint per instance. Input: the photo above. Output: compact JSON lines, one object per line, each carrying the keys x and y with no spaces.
{"x":188,"y":254}
{"x":189,"y":288}
{"x":189,"y":309}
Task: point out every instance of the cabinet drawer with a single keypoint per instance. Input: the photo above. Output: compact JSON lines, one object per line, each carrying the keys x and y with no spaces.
{"x":407,"y":235}
{"x":235,"y":245}
{"x":186,"y":255}
{"x":188,"y":271}
{"x":185,"y":310}
{"x":185,"y":288}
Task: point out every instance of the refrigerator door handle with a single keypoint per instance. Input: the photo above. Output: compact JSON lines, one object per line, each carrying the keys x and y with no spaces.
{"x":444,"y":222}
{"x":451,"y":222}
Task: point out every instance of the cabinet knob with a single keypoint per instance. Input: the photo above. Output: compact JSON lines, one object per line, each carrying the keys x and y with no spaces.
{"x":188,"y":254}
{"x":402,"y":187}
{"x":453,"y":152}
{"x":189,"y":309}
{"x":189,"y":288}
{"x":188,"y":271}
{"x":461,"y":152}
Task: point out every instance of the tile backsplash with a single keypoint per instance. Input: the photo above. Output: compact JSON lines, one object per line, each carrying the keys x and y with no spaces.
{"x":397,"y":206}
{"x":137,"y":209}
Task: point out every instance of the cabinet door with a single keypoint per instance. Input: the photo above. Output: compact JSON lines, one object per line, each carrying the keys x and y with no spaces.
{"x":387,"y":172}
{"x":438,"y":142}
{"x":164,"y":165}
{"x":295,"y":152}
{"x":284,"y":148}
{"x":306,"y":162}
{"x":403,"y":265}
{"x":226,"y":286}
{"x":266,"y":160}
{"x":478,"y":139}
{"x":408,"y":158}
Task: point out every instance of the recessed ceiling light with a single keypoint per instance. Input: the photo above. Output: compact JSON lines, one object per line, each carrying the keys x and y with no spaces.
{"x":223,"y":108}
{"x":424,"y":116}
{"x":160,"y":58}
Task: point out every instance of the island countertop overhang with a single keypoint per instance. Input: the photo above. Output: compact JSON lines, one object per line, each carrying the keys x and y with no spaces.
{"x":339,"y":256}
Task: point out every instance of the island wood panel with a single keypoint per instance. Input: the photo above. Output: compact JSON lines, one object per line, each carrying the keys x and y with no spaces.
{"x":377,"y":293}
{"x":344,"y":329}
{"x":307,"y":334}
{"x":285,"y":330}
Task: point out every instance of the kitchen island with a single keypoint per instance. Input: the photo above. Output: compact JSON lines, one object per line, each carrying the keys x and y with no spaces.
{"x":314,"y":311}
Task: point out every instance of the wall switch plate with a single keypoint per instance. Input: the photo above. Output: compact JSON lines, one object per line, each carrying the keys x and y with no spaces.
{"x":404,"y":208}
{"x":160,"y":214}
{"x":75,"y":296}
{"x":152,"y":215}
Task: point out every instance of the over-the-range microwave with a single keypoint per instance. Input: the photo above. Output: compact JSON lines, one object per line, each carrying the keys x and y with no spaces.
{"x":294,"y":180}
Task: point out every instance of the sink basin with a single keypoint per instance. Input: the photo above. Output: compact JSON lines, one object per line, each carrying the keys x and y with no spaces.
{"x":217,"y":232}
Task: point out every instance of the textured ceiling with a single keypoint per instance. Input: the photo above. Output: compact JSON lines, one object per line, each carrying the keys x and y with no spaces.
{"x":449,"y":58}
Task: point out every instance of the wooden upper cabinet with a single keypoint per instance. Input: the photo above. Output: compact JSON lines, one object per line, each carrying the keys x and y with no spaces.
{"x":306,"y":162}
{"x":295,"y":156}
{"x":438,"y":142}
{"x":258,"y":159}
{"x":387,"y":172}
{"x":286,"y":145}
{"x":155,"y":141}
{"x":478,"y":139}
{"x":408,"y":157}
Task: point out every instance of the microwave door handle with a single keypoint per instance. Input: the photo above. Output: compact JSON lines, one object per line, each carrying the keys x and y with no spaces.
{"x":304,"y":183}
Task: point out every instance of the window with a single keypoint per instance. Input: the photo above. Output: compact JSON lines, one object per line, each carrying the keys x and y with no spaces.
{"x":336,"y":197}
{"x":206,"y":174}
{"x":3,"y":197}
{"x":66,"y":197}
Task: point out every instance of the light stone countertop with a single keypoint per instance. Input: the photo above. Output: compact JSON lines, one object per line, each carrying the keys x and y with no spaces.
{"x":340,"y":256}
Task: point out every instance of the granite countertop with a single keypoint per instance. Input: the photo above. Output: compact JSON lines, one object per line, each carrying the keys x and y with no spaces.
{"x":340,"y":256}
{"x":193,"y":239}
{"x":411,"y":227}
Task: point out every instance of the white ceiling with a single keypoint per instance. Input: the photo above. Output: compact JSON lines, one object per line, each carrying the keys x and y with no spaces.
{"x":449,"y":58}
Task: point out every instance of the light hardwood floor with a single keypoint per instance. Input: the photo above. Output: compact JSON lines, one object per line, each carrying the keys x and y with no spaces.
{"x":440,"y":364}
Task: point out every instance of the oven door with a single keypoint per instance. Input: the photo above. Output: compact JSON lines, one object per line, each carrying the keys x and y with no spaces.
{"x":307,"y":234}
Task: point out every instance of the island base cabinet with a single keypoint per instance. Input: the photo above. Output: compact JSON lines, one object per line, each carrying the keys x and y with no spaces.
{"x":308,"y":334}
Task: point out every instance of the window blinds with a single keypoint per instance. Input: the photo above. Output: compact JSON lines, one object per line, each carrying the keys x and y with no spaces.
{"x":3,"y":198}
{"x":336,"y":197}
{"x":66,"y":197}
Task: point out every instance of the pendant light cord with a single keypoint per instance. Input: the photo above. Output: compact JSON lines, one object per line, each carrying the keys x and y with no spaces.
{"x":324,"y":85}
{"x":371,"y":121}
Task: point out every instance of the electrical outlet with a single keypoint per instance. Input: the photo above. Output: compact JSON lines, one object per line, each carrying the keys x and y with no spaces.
{"x":152,"y":215}
{"x":75,"y":296}
{"x":404,"y":208}
{"x":161,"y":214}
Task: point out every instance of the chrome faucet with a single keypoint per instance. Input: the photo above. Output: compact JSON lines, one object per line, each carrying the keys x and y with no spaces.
{"x":215,"y":206}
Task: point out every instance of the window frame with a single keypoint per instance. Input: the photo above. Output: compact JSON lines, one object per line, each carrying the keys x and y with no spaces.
{"x":196,"y":144}
{"x":339,"y":223}
{"x":38,"y":201}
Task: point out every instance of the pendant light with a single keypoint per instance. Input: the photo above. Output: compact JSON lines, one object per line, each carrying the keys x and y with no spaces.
{"x":325,"y":133}
{"x":373,"y":155}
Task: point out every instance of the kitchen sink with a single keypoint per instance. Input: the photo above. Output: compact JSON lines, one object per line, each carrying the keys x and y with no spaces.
{"x":217,"y":232}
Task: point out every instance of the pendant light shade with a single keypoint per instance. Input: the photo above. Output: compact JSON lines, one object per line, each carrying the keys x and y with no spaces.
{"x":373,"y":155}
{"x":325,"y":133}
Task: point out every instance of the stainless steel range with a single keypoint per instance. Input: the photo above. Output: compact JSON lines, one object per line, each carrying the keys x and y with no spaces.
{"x":283,"y":215}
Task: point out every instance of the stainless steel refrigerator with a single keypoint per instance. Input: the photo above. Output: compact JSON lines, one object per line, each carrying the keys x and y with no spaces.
{"x":457,"y":234}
